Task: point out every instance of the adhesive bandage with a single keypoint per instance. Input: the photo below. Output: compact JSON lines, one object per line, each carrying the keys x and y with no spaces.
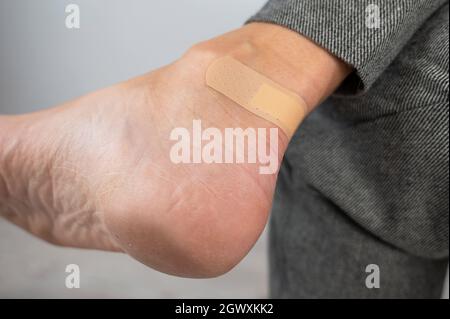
{"x":257,"y":93}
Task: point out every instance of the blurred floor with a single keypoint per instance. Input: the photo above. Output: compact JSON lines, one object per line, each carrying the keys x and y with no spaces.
{"x":31,"y":268}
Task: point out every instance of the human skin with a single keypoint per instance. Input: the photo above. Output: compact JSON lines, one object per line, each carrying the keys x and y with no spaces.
{"x":96,"y":173}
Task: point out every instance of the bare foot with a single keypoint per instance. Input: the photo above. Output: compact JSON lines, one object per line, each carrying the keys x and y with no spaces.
{"x":96,"y":172}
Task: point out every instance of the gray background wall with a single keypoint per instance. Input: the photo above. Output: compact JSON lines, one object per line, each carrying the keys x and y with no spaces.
{"x":42,"y":64}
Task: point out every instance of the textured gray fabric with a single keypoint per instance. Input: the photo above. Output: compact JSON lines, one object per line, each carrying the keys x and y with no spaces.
{"x":316,"y":251}
{"x":340,"y":27}
{"x":376,"y":163}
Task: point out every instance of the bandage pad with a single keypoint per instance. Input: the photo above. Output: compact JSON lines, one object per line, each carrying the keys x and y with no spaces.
{"x":257,"y":93}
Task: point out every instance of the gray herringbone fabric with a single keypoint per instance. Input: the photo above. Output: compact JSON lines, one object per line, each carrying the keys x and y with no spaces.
{"x":366,"y":178}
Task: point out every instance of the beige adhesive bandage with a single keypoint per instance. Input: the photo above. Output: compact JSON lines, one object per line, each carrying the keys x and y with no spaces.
{"x":257,"y":93}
